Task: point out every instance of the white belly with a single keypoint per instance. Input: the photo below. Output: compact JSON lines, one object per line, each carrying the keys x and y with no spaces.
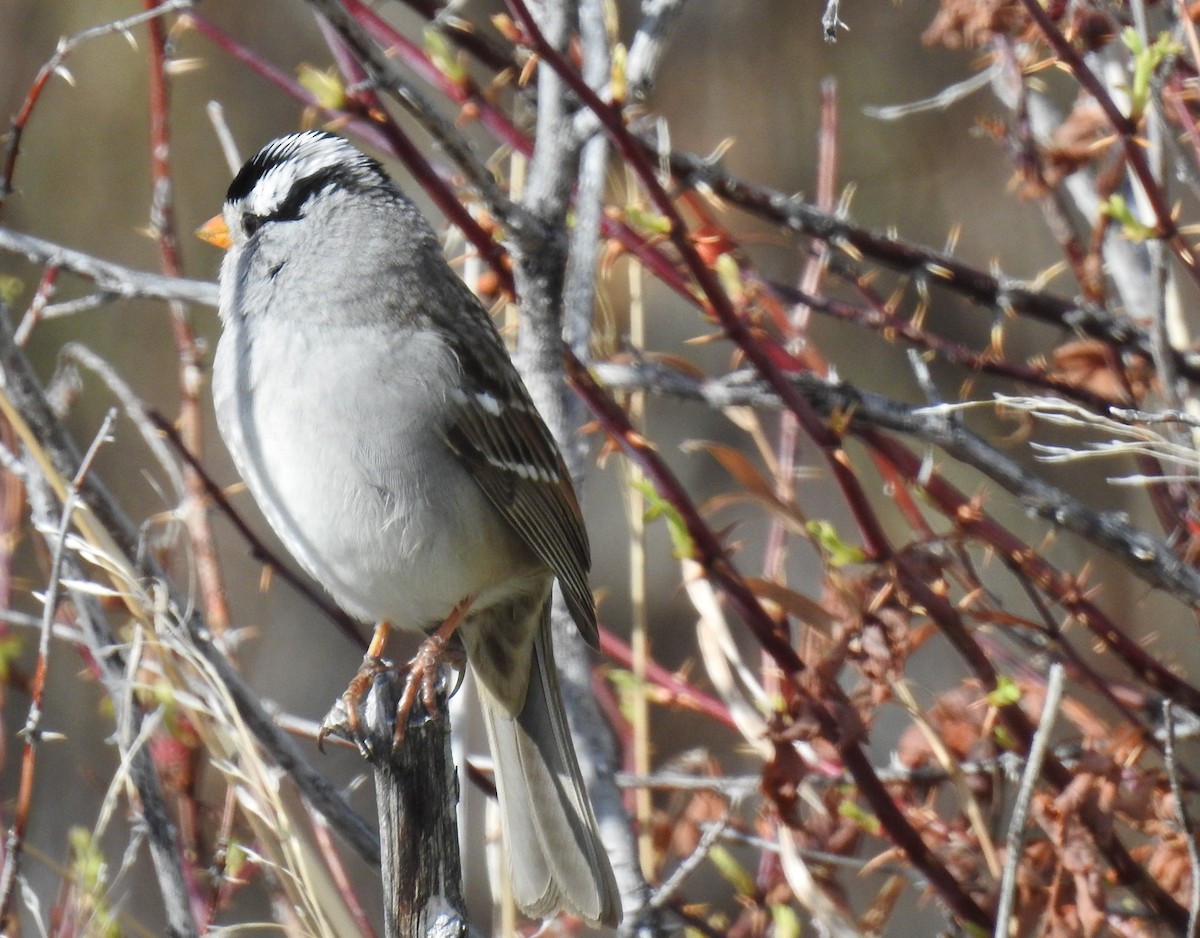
{"x":352,"y":473}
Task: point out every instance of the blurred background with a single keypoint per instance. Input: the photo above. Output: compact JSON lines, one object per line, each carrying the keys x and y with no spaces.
{"x":741,"y":74}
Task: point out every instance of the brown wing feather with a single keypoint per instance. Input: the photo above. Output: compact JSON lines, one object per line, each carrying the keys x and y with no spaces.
{"x":496,"y":431}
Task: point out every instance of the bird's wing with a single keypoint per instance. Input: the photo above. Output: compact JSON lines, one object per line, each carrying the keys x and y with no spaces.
{"x":496,"y":431}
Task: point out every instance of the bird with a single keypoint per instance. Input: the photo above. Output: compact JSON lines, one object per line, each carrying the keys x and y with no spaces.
{"x":371,"y":407}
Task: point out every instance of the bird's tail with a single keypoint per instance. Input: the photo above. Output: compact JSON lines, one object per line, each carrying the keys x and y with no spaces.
{"x":554,"y":848}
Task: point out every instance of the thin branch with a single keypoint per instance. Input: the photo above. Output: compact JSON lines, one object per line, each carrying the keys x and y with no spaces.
{"x":1146,"y":555}
{"x":664,"y":893}
{"x":162,"y":226}
{"x":105,"y":650}
{"x":767,"y":359}
{"x":1127,"y":131}
{"x":32,"y":731}
{"x":382,"y":69}
{"x":934,"y":267}
{"x":112,"y":279}
{"x":134,"y":407}
{"x":831,"y":716}
{"x":1185,"y":821}
{"x":56,"y":65}
{"x":650,"y":43}
{"x":1013,"y":844}
{"x":830,"y":21}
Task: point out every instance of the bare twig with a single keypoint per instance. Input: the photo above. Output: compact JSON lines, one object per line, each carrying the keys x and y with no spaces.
{"x":162,"y":225}
{"x":1185,"y":821}
{"x":670,"y":886}
{"x":385,"y":72}
{"x":134,"y":407}
{"x":1127,"y":131}
{"x":32,"y":731}
{"x":830,"y":21}
{"x":55,"y":65}
{"x":416,"y":795}
{"x":111,"y":278}
{"x":107,"y":652}
{"x":1146,"y":555}
{"x":1029,"y":778}
{"x":937,"y":267}
{"x":828,"y":715}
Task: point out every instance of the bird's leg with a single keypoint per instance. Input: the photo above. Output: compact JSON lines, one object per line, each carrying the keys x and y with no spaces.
{"x":423,"y":669}
{"x":372,"y":665}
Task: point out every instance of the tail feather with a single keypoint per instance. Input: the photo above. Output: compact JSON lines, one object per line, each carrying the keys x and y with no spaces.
{"x":554,"y":849}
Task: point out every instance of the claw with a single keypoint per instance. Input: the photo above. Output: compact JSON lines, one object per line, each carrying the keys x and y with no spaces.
{"x":344,"y":718}
{"x":423,"y":670}
{"x":423,"y":677}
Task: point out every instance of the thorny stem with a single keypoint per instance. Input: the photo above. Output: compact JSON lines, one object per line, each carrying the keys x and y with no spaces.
{"x":1135,"y":156}
{"x":54,"y":65}
{"x":835,"y":720}
{"x":32,"y":731}
{"x":1064,"y":590}
{"x":162,"y":224}
{"x":679,"y":692}
{"x":772,"y":362}
{"x":1129,"y":872}
{"x":926,"y":265}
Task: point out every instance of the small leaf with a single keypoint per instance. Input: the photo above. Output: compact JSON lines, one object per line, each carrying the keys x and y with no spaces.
{"x":87,"y":860}
{"x":235,"y":859}
{"x":736,"y":874}
{"x":836,"y":551}
{"x":744,"y":472}
{"x":793,"y":603}
{"x":1116,"y":208}
{"x":659,"y":507}
{"x":730,"y":275}
{"x":629,"y":689}
{"x":619,"y":86}
{"x":1146,"y":60}
{"x":864,"y":819}
{"x":1006,"y":692}
{"x":10,"y":650}
{"x":324,"y":85}
{"x":786,"y":921}
{"x":649,"y":222}
{"x":444,"y":55}
{"x":10,"y":288}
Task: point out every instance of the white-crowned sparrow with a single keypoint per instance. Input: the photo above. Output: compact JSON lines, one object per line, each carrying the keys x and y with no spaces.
{"x":372,"y":409}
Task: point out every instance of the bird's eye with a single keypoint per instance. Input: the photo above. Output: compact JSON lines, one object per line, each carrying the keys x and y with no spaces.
{"x":251,"y":223}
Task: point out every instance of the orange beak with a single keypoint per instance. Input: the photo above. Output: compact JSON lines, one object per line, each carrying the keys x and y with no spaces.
{"x":214,"y":232}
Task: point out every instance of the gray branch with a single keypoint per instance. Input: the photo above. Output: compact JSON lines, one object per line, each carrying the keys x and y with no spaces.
{"x":1149,"y":557}
{"x":112,"y":279}
{"x":934,"y":268}
{"x":1029,"y":778}
{"x":416,"y":797}
{"x":541,"y":251}
{"x":104,"y":647}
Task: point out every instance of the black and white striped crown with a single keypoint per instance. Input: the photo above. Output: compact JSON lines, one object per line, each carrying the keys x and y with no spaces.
{"x":278,"y":180}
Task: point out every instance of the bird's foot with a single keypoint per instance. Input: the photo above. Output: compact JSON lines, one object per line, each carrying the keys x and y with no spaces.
{"x":344,"y":719}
